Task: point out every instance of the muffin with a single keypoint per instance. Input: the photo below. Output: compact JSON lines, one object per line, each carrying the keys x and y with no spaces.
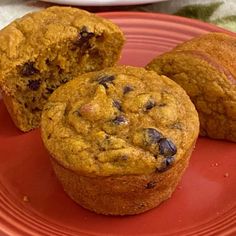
{"x":205,"y":67}
{"x":45,"y":49}
{"x":120,"y":139}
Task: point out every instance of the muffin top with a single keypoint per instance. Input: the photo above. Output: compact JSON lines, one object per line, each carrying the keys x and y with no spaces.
{"x":26,"y":37}
{"x":121,"y":120}
{"x":216,"y":48}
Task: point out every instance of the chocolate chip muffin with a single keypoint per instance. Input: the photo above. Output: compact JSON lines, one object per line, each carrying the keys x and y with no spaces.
{"x":205,"y":68}
{"x":120,"y":139}
{"x":45,"y":49}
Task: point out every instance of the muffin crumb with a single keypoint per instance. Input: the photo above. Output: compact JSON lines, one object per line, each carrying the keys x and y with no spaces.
{"x":25,"y":198}
{"x":226,"y":175}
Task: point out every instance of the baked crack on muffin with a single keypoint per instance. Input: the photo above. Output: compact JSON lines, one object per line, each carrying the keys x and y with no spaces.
{"x":45,"y":49}
{"x":205,"y":67}
{"x":120,"y":139}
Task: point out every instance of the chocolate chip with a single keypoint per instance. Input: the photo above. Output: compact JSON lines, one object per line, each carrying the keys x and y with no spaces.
{"x":49,"y":136}
{"x":149,"y":105}
{"x":106,"y":79}
{"x":64,"y":80}
{"x":34,"y":84}
{"x":152,"y":136}
{"x":29,"y":69}
{"x":117,"y":104}
{"x":167,"y":147}
{"x":119,"y":120}
{"x":166,"y":164}
{"x":127,"y":89}
{"x":150,"y":185}
{"x":60,"y":70}
{"x":48,"y":62}
{"x":83,"y":37}
{"x":49,"y":90}
{"x":85,"y":33}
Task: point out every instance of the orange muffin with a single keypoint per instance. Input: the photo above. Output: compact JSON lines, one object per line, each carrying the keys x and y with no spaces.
{"x":206,"y":68}
{"x":45,"y":49}
{"x":120,"y":139}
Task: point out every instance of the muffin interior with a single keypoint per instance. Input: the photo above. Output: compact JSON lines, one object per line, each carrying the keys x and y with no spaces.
{"x":32,"y":82}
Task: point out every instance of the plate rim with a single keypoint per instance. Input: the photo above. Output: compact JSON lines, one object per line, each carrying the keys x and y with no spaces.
{"x":156,"y":15}
{"x":166,"y":17}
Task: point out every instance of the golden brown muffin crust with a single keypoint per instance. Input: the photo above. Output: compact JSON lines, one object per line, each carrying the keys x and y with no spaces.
{"x":220,"y":46}
{"x":204,"y":67}
{"x":118,"y":121}
{"x":123,"y":194}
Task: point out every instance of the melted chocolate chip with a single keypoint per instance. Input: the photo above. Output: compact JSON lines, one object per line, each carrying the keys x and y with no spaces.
{"x":83,"y":37}
{"x":48,"y":62}
{"x":105,"y":80}
{"x":149,"y":105}
{"x":120,"y":120}
{"x":34,"y":84}
{"x":167,"y":147}
{"x":150,"y":185}
{"x":117,"y":104}
{"x":127,"y":89}
{"x":29,"y":69}
{"x":152,"y":136}
{"x":166,"y":164}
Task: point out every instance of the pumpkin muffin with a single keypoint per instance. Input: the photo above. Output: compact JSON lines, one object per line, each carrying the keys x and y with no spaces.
{"x":206,"y":68}
{"x":120,"y":139}
{"x":45,"y":49}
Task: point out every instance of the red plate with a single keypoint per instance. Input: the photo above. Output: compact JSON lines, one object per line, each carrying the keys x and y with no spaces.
{"x":32,"y":201}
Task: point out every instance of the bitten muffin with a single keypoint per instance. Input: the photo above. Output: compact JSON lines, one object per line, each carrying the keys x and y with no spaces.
{"x":206,"y":68}
{"x":120,"y":139}
{"x":45,"y":49}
